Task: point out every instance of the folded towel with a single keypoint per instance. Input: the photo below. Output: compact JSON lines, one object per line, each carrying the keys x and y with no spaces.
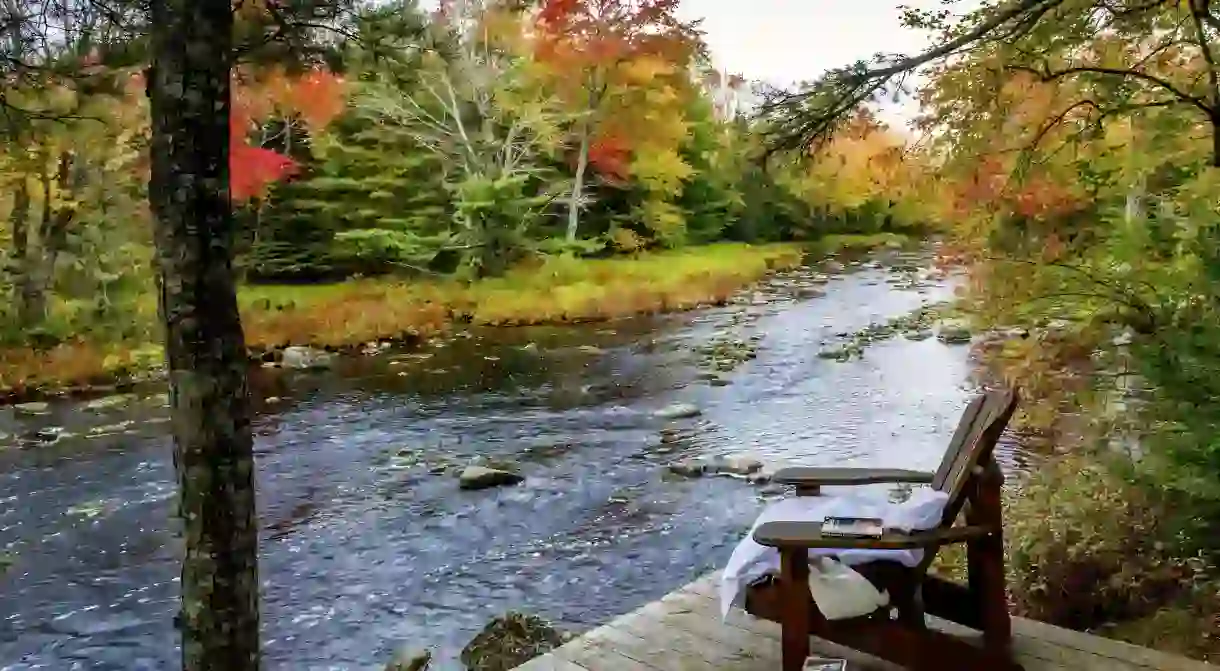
{"x":751,"y":561}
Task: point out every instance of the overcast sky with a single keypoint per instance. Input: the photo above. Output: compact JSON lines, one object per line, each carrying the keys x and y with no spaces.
{"x":787,"y":41}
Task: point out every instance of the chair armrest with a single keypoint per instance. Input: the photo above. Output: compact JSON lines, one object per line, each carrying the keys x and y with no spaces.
{"x":808,"y":535}
{"x":817,"y":477}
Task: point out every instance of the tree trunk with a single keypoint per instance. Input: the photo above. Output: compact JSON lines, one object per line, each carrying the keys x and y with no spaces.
{"x":578,"y":186}
{"x":188,"y":85}
{"x":20,"y":266}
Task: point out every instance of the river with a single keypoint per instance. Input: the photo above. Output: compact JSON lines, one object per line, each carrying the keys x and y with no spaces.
{"x":365,"y":550}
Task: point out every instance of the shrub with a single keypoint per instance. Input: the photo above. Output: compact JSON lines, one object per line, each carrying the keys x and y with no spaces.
{"x":1086,"y":546}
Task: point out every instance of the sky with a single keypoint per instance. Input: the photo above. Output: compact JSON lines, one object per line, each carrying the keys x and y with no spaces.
{"x":786,"y":41}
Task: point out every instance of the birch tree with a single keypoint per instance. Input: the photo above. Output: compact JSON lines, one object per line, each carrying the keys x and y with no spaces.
{"x":472,"y":107}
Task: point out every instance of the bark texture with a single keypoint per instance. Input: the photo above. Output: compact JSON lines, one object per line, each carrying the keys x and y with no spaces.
{"x":188,"y":85}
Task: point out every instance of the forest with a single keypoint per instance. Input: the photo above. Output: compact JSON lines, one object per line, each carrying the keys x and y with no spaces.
{"x":422,"y":166}
{"x":506,"y":163}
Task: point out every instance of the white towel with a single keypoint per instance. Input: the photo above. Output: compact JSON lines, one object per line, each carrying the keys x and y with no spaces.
{"x":751,"y":561}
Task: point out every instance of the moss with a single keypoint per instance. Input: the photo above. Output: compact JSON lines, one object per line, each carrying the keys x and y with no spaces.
{"x":509,"y":641}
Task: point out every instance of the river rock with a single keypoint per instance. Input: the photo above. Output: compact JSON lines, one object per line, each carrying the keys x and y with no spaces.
{"x":741,"y":464}
{"x":688,"y":469}
{"x":953,"y":333}
{"x":108,"y":402}
{"x":47,"y":435}
{"x":772,"y":491}
{"x":921,"y":334}
{"x":833,"y":267}
{"x":678,"y":411}
{"x":31,"y":409}
{"x":509,"y":641}
{"x":675,"y":436}
{"x":302,"y":358}
{"x":409,"y":661}
{"x":483,"y":477}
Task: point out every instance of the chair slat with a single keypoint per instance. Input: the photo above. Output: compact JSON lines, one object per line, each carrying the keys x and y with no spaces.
{"x":959,"y":440}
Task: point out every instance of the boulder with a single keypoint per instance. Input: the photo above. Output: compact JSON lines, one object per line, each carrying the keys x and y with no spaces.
{"x":742,"y":464}
{"x":953,"y":333}
{"x":833,"y":267}
{"x":108,"y":402}
{"x":303,"y":358}
{"x":483,"y":477}
{"x":678,"y":411}
{"x":509,"y":641}
{"x":31,"y":409}
{"x":409,"y":661}
{"x":688,"y":469}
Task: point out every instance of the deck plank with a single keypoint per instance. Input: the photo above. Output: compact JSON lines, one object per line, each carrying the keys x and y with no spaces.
{"x":683,"y":631}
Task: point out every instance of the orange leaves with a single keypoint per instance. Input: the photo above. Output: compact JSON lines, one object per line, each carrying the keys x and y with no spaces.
{"x":610,"y":156}
{"x":316,"y":98}
{"x":582,"y":34}
{"x":622,"y":65}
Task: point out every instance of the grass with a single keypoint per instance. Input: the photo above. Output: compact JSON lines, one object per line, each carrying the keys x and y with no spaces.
{"x":557,"y":290}
{"x":859,"y":242}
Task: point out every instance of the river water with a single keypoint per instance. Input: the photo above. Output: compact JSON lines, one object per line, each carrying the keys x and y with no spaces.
{"x":366,"y":550}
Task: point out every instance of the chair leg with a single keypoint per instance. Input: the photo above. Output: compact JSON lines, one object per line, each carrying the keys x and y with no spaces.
{"x":796,"y":607}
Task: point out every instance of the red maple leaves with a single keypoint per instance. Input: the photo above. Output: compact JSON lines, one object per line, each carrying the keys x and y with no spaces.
{"x":610,"y":156}
{"x":992,"y":186}
{"x":315,"y":97}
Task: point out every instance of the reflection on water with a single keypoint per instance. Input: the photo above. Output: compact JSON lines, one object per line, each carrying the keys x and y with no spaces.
{"x":369,"y":546}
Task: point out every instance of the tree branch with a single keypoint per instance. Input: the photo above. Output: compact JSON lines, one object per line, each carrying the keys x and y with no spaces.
{"x":809,"y":117}
{"x":1047,"y":75}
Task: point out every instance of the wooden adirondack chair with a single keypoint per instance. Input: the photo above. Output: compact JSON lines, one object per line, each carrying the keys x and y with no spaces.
{"x":971,"y":477}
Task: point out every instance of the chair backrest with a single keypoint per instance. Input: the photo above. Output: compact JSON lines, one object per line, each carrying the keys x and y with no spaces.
{"x":973,"y":444}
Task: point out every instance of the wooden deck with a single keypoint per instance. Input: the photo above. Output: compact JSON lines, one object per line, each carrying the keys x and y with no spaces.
{"x":684,"y":632}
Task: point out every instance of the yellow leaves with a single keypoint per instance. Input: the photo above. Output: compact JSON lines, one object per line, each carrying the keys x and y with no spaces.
{"x":643,"y":70}
{"x":857,"y":168}
{"x":666,"y":221}
{"x":661,"y":172}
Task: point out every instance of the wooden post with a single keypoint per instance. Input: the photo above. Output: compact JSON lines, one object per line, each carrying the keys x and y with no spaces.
{"x":796,"y":607}
{"x":985,"y":560}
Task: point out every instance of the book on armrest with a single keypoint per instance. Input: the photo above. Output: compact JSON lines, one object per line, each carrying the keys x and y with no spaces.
{"x":824,"y":664}
{"x":866,"y":527}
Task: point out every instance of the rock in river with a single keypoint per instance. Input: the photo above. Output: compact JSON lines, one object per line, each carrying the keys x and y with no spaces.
{"x":953,"y":333}
{"x":482,"y":477}
{"x":32,"y":408}
{"x":409,"y":661}
{"x":509,"y":641}
{"x":301,"y":358}
{"x":678,"y":411}
{"x":742,"y":464}
{"x":688,"y":469}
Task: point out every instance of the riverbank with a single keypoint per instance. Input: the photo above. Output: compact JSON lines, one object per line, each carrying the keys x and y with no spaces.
{"x":349,"y":315}
{"x":1107,"y":536}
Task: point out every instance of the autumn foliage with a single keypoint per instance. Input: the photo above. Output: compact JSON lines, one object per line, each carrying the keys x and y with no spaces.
{"x":314,"y":98}
{"x":603,"y":57}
